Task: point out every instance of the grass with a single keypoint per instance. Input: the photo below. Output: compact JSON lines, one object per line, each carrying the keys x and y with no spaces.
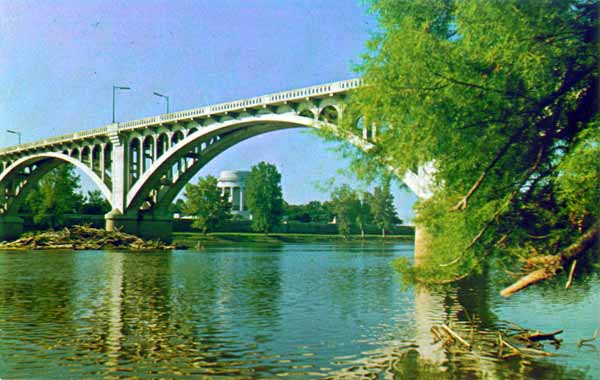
{"x":191,"y":239}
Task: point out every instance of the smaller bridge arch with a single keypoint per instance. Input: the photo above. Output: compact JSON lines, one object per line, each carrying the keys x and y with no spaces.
{"x":15,"y":185}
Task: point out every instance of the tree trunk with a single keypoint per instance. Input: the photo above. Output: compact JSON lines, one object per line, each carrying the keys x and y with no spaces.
{"x":383,"y":233}
{"x":585,"y":242}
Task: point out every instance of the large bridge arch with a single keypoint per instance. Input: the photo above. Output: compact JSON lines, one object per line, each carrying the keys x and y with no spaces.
{"x":205,"y":144}
{"x":141,"y":165}
{"x":15,"y":184}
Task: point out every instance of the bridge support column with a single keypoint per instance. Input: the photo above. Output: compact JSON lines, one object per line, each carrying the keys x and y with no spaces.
{"x":11,"y":227}
{"x":145,"y":226}
{"x":422,"y":239}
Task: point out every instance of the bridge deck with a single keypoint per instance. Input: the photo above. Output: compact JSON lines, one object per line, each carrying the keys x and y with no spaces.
{"x":294,"y":95}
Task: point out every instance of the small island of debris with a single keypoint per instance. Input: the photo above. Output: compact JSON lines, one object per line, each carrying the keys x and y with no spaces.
{"x":83,"y":238}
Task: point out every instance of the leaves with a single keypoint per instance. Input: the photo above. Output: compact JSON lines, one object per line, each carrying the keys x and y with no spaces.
{"x":205,"y":203}
{"x":264,"y":197}
{"x":55,"y":196}
{"x":503,"y":97}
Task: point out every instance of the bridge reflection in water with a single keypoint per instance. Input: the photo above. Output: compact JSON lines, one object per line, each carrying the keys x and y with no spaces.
{"x":297,"y":311}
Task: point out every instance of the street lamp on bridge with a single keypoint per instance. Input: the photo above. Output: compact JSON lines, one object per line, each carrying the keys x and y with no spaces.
{"x":16,"y":133}
{"x":115,"y":88}
{"x":163,"y":96}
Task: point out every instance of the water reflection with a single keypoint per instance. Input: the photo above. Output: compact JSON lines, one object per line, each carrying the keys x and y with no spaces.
{"x":291,"y":310}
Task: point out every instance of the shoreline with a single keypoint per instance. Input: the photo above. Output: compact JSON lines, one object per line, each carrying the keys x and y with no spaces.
{"x":188,"y":240}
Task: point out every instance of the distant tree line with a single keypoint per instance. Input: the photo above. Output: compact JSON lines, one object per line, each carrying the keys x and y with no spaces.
{"x":349,"y":207}
{"x":58,"y":194}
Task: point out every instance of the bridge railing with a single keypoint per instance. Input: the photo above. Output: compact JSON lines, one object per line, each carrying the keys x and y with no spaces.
{"x":215,"y":109}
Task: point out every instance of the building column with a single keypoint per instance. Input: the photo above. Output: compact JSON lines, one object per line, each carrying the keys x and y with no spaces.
{"x":241,"y":199}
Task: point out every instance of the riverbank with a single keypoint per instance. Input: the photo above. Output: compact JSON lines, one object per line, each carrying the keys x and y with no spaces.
{"x":194,"y":239}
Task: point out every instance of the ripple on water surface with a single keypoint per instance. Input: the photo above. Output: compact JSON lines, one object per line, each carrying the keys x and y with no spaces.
{"x":301,"y":311}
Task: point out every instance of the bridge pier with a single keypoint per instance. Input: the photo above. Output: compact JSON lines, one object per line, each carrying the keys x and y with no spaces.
{"x":11,"y":227}
{"x":422,"y":238}
{"x":146,"y":226}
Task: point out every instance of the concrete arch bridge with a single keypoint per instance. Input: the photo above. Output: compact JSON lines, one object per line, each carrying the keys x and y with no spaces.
{"x":141,"y":165}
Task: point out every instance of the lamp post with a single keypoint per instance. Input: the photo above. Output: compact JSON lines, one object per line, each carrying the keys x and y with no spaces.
{"x":16,"y":133}
{"x":115,"y":88}
{"x":163,"y":96}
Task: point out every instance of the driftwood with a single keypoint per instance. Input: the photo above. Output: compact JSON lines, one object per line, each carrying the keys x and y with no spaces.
{"x":537,"y":336}
{"x":454,"y":335}
{"x":514,"y":344}
{"x":556,"y":263}
{"x":83,"y":238}
{"x":585,"y":340}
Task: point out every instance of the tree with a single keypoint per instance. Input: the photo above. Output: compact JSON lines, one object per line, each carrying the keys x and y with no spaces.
{"x":365,"y":212}
{"x":382,"y":206}
{"x":264,"y":197}
{"x":297,"y":213}
{"x":55,"y":196}
{"x":346,"y":207}
{"x":205,"y":203}
{"x":95,"y":204}
{"x":502,"y":98}
{"x":313,"y":211}
{"x":177,"y":207}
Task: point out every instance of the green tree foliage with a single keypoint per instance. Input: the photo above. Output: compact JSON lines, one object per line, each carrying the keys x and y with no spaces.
{"x":365,"y":211}
{"x":55,"y":196}
{"x":264,"y":197}
{"x":382,"y":207}
{"x":313,"y":211}
{"x":502,"y":97}
{"x":346,"y":206}
{"x":95,"y":204}
{"x":177,"y":207}
{"x":205,"y":203}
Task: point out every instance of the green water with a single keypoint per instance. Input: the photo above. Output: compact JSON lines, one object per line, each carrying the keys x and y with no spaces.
{"x":296,"y":311}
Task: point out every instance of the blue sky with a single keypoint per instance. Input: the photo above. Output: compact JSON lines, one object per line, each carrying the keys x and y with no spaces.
{"x":59,"y":60}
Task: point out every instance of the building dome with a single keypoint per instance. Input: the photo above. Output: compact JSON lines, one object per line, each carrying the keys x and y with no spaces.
{"x":234,"y":176}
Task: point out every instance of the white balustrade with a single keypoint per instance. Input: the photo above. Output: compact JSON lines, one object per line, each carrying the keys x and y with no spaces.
{"x":237,"y":105}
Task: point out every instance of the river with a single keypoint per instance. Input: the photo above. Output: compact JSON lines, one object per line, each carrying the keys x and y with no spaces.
{"x":296,"y":311}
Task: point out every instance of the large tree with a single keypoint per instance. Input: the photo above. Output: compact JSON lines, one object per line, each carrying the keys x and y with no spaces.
{"x":95,"y":204}
{"x":347,"y":207}
{"x":264,"y":197}
{"x":502,"y":98}
{"x":205,"y":203}
{"x":55,"y":196}
{"x":382,"y":207}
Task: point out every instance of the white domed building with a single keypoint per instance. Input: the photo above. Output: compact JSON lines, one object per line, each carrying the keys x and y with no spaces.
{"x":232,"y":183}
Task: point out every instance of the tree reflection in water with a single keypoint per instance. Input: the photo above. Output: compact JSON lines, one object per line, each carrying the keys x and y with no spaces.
{"x":239,"y":312}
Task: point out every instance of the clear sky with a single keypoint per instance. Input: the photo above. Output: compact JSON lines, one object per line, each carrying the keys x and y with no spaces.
{"x":59,"y":60}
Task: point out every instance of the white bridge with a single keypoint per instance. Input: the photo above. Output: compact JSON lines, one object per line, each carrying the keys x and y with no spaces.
{"x":141,"y":165}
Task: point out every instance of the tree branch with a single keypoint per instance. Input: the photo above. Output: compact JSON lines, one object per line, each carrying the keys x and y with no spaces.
{"x":569,"y":81}
{"x":462,"y":204}
{"x":572,"y":252}
{"x":531,"y":170}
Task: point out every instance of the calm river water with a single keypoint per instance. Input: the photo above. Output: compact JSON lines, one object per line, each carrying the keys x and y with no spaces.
{"x":296,"y":311}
